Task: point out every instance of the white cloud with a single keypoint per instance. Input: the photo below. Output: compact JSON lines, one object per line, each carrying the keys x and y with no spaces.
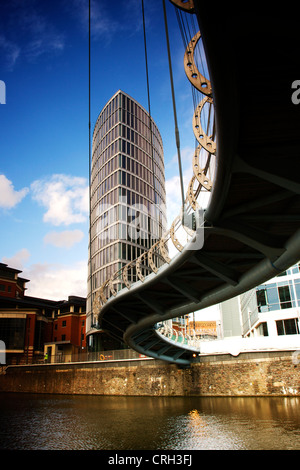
{"x":42,"y":35}
{"x":53,"y":281}
{"x":10,"y":52}
{"x":9,"y":198}
{"x":65,"y":239}
{"x":39,"y":36}
{"x":65,"y":198}
{"x":174,"y":203}
{"x":56,"y":281}
{"x":17,"y":261}
{"x":103,"y":22}
{"x":186,"y":156}
{"x":173,"y":194}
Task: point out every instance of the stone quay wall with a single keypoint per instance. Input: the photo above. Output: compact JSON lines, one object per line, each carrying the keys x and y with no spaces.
{"x":249,"y":374}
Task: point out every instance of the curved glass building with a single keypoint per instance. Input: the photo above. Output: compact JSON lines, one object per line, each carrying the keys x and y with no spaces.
{"x":127,"y":197}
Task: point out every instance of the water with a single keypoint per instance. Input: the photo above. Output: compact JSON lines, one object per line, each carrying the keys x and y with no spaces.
{"x":59,"y":422}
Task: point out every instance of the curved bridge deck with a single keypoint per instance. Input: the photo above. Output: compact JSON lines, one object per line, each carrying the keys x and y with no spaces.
{"x":251,"y":230}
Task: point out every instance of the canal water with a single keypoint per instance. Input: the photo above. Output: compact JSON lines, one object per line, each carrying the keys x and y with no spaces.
{"x":59,"y":422}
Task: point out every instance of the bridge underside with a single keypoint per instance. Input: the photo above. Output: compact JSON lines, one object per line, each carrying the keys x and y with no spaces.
{"x":252,"y":222}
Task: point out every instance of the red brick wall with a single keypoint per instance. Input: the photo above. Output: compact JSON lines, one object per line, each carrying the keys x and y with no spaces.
{"x":72,"y":330}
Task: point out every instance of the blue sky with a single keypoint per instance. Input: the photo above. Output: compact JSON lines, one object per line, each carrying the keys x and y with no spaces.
{"x":44,"y":123}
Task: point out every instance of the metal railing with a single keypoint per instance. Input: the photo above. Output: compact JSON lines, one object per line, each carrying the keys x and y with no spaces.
{"x":68,"y":358}
{"x":178,"y":337}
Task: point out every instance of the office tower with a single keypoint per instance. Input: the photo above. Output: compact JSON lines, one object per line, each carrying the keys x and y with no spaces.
{"x":127,"y":193}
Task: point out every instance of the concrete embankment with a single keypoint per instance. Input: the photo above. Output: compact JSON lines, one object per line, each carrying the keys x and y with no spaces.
{"x":249,"y":374}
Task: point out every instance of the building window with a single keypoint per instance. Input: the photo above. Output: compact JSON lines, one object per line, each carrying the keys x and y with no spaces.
{"x":261,"y":299}
{"x":64,"y":323}
{"x":297,"y":289}
{"x":272,"y":296}
{"x":295,"y":269}
{"x":285,"y":297}
{"x":287,"y":327}
{"x":12,"y":332}
{"x":263,"y":329}
{"x":2,"y":287}
{"x":284,"y":273}
{"x":63,"y":337}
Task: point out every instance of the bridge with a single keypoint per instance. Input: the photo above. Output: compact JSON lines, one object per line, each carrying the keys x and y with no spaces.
{"x":247,"y":160}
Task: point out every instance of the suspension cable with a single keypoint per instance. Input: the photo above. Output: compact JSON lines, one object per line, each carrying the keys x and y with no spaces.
{"x":148,"y":92}
{"x":177,"y":138}
{"x":185,"y":41}
{"x":90,"y":190}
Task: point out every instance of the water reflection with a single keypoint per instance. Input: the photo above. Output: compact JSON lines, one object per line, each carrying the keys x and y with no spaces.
{"x":93,"y":422}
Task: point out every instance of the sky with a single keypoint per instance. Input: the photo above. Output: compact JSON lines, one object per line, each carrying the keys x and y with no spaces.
{"x":44,"y":135}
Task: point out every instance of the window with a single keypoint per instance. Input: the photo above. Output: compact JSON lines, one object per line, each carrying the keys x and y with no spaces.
{"x":295,"y":269}
{"x":285,"y":297}
{"x":12,"y":332}
{"x":297,"y":289}
{"x":64,"y":323}
{"x":287,"y":327}
{"x":284,"y":273}
{"x":272,"y":297}
{"x":63,"y":337}
{"x":263,"y":329}
{"x":261,"y":299}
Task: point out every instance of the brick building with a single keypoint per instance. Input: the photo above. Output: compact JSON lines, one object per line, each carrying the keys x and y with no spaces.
{"x":30,"y":325}
{"x":68,"y":338}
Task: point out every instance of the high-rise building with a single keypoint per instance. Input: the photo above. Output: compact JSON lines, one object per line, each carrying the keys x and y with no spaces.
{"x":127,"y":195}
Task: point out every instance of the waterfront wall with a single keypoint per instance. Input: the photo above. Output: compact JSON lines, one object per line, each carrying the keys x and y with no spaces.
{"x":249,"y":374}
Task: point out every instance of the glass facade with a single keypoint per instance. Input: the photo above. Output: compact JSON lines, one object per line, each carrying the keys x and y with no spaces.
{"x":13,"y":332}
{"x":276,"y":308}
{"x":280,"y":294}
{"x":127,"y":190}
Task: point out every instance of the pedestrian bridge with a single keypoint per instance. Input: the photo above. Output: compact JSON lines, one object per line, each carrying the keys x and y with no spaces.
{"x":246,"y":163}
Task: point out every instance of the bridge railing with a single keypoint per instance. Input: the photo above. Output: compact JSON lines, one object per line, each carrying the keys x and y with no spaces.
{"x":65,"y":357}
{"x":177,"y":336}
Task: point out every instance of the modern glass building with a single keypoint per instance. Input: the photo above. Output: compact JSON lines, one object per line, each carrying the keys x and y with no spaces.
{"x":271,"y":309}
{"x":276,"y":309}
{"x":127,"y":195}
